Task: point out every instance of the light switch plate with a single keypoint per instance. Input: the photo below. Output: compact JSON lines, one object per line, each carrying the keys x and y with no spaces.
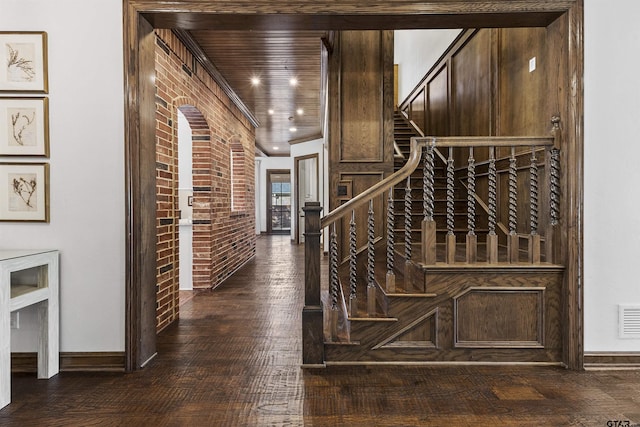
{"x":532,"y":64}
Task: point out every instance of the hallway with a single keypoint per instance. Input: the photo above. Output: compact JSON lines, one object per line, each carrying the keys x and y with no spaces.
{"x":234,"y":359}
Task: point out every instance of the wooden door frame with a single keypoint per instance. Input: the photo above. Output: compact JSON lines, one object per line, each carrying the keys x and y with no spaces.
{"x":296,"y":200}
{"x":141,"y":16}
{"x":269,"y":172}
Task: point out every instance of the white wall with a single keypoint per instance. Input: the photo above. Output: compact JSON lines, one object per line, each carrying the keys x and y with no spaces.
{"x":185,"y":190}
{"x":264,"y":163}
{"x":86,"y":168}
{"x":415,"y":52}
{"x":185,"y":153}
{"x":612,"y":150}
{"x":304,"y":149}
{"x":259,"y":189}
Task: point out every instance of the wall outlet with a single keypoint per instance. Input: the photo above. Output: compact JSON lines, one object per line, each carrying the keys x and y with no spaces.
{"x":15,"y":320}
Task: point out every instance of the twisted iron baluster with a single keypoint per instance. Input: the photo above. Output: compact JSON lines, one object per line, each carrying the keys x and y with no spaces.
{"x":427,"y":183}
{"x":533,"y":191}
{"x":371,"y":255}
{"x":333,"y":268}
{"x":471,"y":193}
{"x":352,"y":256}
{"x":554,"y":194}
{"x":450,"y":194}
{"x":424,"y":184}
{"x":513,"y":193}
{"x":407,"y":221}
{"x":493,"y":184}
{"x":390,"y":236}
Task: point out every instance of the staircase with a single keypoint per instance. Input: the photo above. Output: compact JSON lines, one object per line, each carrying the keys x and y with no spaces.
{"x":403,"y":132}
{"x":457,"y":307}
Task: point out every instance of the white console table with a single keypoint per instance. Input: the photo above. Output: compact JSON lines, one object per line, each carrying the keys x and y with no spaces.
{"x":14,"y":296}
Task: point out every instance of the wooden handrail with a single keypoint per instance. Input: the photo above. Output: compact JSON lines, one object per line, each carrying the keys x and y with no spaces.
{"x":382,"y":186}
{"x":397,"y":154}
{"x":417,"y":143}
{"x":488,"y":141}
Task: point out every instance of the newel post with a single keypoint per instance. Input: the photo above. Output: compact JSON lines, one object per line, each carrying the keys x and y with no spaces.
{"x":312,"y":332}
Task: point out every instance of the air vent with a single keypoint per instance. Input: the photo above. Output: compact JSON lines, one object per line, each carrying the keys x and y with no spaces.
{"x":629,"y":321}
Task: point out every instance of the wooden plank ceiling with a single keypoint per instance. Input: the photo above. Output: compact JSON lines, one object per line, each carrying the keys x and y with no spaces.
{"x":274,"y":57}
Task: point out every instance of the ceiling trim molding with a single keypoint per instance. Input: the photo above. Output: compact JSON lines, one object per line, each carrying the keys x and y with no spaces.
{"x":261,"y":149}
{"x":197,"y":52}
{"x":306,"y":139}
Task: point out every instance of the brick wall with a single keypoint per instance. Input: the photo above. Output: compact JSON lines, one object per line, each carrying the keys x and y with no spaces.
{"x":223,"y":239}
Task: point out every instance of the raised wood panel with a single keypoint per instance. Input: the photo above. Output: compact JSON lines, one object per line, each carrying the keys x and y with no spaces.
{"x":523,"y":94}
{"x":471,"y":86}
{"x":418,"y":108}
{"x":444,"y":285}
{"x":499,"y":317}
{"x":361,"y":97}
{"x":438,"y":104}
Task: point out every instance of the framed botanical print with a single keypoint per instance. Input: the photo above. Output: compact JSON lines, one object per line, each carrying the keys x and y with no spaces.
{"x":24,"y":192}
{"x":24,"y":127}
{"x":24,"y":61}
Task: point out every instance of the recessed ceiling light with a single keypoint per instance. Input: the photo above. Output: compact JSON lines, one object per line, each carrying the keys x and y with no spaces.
{"x":255,"y":81}
{"x":293,"y":81}
{"x":276,"y":148}
{"x":270,"y":111}
{"x":293,"y":129}
{"x":300,"y":111}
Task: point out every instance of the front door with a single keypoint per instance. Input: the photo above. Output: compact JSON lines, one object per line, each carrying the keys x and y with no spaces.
{"x":279,"y":201}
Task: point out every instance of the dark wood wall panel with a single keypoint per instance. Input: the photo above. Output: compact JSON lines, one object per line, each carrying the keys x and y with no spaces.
{"x":523,"y":94}
{"x":494,"y":317}
{"x":438,"y":104}
{"x":483,"y":86}
{"x":360,"y":112}
{"x":418,"y":109}
{"x":499,"y":318}
{"x":361,"y":96}
{"x":471,"y":86}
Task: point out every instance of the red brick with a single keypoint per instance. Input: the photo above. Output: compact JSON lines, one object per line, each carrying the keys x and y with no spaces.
{"x":211,"y":113}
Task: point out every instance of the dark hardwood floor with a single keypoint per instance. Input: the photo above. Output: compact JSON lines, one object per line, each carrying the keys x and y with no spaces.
{"x":233,"y":360}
